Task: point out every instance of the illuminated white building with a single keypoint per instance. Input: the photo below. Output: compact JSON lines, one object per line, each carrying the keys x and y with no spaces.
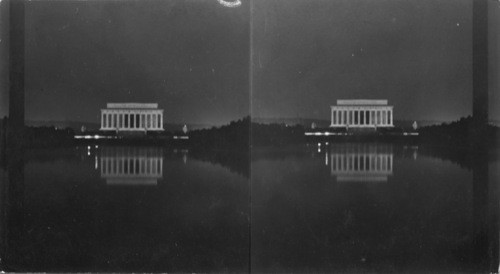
{"x":362,"y":114}
{"x":132,"y":117}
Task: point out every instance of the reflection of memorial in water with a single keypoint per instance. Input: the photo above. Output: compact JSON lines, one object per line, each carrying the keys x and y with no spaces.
{"x":361,"y":162}
{"x":131,"y":165}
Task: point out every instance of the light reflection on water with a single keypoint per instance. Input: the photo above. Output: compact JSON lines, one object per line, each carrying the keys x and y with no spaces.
{"x":131,"y":165}
{"x":360,"y":162}
{"x":62,"y":216}
{"x":364,"y":207}
{"x":314,"y":208}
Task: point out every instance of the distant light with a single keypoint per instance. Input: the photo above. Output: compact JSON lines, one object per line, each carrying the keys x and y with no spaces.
{"x":94,"y":137}
{"x":88,"y":147}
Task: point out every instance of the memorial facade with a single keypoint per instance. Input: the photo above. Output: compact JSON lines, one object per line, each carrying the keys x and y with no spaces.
{"x":132,"y":117}
{"x":362,"y":114}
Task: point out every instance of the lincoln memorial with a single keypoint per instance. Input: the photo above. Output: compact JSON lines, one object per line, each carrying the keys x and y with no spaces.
{"x":132,"y":117}
{"x":362,"y":114}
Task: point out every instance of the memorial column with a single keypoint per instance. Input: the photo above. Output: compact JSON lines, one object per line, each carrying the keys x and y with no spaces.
{"x":351,"y":116}
{"x":331,"y":116}
{"x":386,"y":115}
{"x":391,"y":116}
{"x":338,"y":116}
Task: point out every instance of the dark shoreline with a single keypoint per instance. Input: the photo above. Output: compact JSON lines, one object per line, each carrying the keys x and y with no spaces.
{"x":244,"y":134}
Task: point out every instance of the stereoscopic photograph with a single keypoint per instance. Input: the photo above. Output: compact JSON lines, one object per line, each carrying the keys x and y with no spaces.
{"x":250,"y":136}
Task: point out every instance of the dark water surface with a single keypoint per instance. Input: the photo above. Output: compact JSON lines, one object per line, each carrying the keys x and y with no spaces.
{"x":129,"y":209}
{"x":310,"y":208}
{"x":368,"y":207}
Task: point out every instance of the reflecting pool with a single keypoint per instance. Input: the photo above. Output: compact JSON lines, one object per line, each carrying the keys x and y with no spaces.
{"x":356,"y":207}
{"x":318,"y":207}
{"x":141,"y":209}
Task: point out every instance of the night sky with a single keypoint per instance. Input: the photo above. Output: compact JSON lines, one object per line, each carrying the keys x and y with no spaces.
{"x":416,"y":54}
{"x":193,"y":58}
